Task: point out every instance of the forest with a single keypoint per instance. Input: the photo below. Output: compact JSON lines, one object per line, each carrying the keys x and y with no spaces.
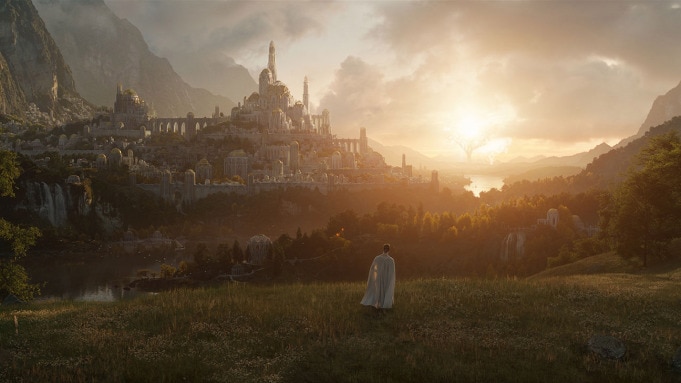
{"x":501,"y":233}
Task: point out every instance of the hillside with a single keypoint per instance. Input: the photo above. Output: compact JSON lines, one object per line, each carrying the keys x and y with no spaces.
{"x":104,"y":50}
{"x":35,"y":81}
{"x":612,"y":166}
{"x":597,"y":264}
{"x":454,"y":330}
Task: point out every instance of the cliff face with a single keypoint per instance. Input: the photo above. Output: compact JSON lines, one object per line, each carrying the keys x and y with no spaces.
{"x":104,"y":50}
{"x":12,"y":99}
{"x":32,"y":69}
{"x":664,"y":108}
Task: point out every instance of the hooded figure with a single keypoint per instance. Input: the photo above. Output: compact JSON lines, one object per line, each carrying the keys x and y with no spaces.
{"x":381,"y":282}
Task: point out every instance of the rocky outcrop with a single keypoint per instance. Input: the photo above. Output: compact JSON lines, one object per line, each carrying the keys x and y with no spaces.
{"x":12,"y":99}
{"x":664,"y":108}
{"x":35,"y":81}
{"x":104,"y":50}
{"x":607,"y":347}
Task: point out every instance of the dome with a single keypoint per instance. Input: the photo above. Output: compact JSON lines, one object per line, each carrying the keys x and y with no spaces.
{"x":259,"y":249}
{"x":116,"y":151}
{"x":254,"y":97}
{"x":265,"y":75}
{"x":237,"y":153}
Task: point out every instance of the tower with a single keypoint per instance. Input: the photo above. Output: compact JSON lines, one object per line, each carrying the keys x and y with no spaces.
{"x":363,"y":141}
{"x":306,"y":96}
{"x":271,"y":63}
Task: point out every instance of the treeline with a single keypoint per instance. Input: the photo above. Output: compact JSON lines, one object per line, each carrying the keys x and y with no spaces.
{"x":427,"y":243}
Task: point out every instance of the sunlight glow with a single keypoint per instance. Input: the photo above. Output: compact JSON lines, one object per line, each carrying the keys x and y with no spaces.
{"x":475,"y":129}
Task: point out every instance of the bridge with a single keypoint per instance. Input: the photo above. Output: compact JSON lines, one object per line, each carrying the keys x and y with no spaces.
{"x":186,"y":126}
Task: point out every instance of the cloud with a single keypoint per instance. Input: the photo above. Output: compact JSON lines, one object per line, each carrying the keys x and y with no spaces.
{"x":201,"y":38}
{"x":552,"y":72}
{"x":635,"y":32}
{"x":569,"y":71}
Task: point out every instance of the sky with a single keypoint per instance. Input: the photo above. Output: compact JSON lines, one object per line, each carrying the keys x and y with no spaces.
{"x":511,"y":78}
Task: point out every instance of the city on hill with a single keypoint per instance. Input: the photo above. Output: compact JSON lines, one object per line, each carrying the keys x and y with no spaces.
{"x":219,"y":225}
{"x":141,"y":176}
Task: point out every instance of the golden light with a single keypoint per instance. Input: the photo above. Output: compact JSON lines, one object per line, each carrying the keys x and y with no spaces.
{"x":470,"y":126}
{"x":475,"y":129}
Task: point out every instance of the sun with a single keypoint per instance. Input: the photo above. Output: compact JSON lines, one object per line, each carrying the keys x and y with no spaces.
{"x":475,"y":129}
{"x":470,"y":126}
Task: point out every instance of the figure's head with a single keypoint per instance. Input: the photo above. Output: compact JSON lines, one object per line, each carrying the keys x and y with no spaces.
{"x":386,"y":248}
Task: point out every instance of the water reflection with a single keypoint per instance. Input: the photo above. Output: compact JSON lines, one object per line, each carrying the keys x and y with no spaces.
{"x":482,"y":183}
{"x":104,"y":293}
{"x":100,"y":276}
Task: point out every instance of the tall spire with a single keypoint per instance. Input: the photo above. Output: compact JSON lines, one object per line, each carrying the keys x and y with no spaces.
{"x":306,"y":96}
{"x":271,"y":63}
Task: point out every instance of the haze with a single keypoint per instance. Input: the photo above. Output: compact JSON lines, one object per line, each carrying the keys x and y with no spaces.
{"x":532,"y":78}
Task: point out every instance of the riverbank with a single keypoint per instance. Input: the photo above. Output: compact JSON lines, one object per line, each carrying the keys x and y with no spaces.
{"x":456,"y":330}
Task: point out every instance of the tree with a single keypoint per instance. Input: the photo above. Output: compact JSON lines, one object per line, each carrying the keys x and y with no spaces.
{"x":13,"y":277}
{"x":647,"y":206}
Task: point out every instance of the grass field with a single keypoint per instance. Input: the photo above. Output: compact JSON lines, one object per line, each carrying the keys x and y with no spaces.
{"x":440,"y":330}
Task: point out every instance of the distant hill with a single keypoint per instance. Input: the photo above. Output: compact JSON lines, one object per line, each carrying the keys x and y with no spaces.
{"x":393,"y":155}
{"x":104,"y":50}
{"x":33,"y":71}
{"x":664,"y":108}
{"x":607,"y":263}
{"x":579,"y":159}
{"x":543,"y":172}
{"x":612,"y":166}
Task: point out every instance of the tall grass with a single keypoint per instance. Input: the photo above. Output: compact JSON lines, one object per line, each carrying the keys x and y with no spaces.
{"x":453,"y":330}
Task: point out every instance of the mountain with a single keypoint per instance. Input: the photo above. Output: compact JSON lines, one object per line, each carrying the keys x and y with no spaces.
{"x":579,"y":159}
{"x":104,"y":50}
{"x":663,"y":109}
{"x":35,"y":81}
{"x":221,"y":75}
{"x":393,"y":155}
{"x":611,"y":167}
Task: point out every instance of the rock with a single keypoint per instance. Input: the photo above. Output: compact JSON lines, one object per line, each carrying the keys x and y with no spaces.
{"x":33,"y":73}
{"x":104,"y":50}
{"x":607,"y":346}
{"x":11,"y":299}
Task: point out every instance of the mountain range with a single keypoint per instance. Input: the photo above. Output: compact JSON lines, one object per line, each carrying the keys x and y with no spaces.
{"x":35,"y":81}
{"x":104,"y":50}
{"x":59,"y":58}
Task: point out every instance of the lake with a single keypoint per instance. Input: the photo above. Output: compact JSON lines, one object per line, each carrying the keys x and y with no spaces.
{"x":102,"y":275}
{"x":482,"y":183}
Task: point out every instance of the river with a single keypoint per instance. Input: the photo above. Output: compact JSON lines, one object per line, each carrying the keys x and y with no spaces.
{"x":482,"y":183}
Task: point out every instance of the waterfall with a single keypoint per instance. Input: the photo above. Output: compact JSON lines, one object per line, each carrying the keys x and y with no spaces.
{"x":47,"y":206}
{"x":52,"y":204}
{"x":513,"y":246}
{"x":59,"y":206}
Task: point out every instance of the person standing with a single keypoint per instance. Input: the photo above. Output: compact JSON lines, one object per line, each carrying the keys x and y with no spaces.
{"x":380,"y":289}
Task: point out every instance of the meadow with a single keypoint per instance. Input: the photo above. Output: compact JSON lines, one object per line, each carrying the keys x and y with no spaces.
{"x":440,"y":330}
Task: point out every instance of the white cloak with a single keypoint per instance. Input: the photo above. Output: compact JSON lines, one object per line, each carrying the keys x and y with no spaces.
{"x":381,"y":283}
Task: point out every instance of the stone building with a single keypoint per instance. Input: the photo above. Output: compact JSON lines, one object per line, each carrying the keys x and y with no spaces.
{"x":130,"y":111}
